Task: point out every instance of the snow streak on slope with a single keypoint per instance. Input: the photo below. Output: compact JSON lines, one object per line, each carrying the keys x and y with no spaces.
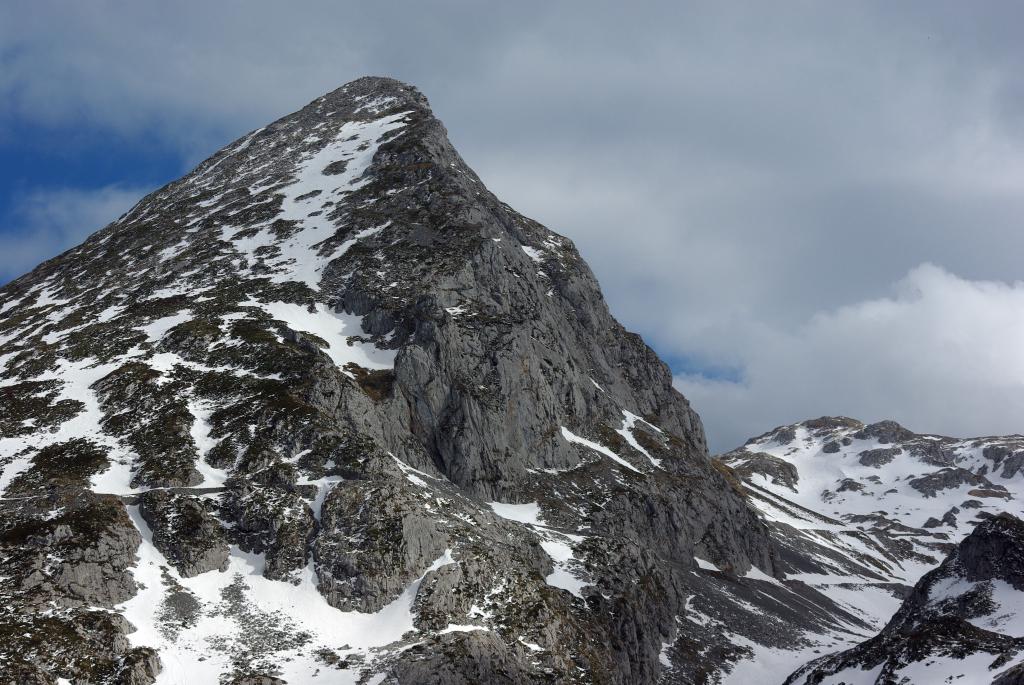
{"x":320,"y":181}
{"x":340,"y":331}
{"x":597,"y":447}
{"x":75,"y":379}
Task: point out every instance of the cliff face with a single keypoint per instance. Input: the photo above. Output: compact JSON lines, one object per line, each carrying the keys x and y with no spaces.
{"x":326,"y":406}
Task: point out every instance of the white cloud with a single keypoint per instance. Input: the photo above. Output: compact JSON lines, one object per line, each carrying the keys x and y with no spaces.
{"x":45,"y":223}
{"x":941,"y":354}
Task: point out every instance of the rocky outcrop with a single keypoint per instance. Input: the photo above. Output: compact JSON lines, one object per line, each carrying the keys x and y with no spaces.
{"x":185,"y":531}
{"x":274,"y":522}
{"x":885,"y":432}
{"x":376,"y":540}
{"x":773,"y":468}
{"x":948,"y":478}
{"x":879,"y":456}
{"x":1008,"y":456}
{"x":64,"y":568}
{"x":154,"y":420}
{"x":80,"y":557}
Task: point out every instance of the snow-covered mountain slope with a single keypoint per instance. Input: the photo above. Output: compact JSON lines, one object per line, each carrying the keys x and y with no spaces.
{"x":861,"y":512}
{"x":326,"y":411}
{"x":963,"y":621}
{"x":882,"y":472}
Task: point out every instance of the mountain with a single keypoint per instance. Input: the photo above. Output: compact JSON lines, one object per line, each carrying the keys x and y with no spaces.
{"x":963,"y":620}
{"x":325,"y":410}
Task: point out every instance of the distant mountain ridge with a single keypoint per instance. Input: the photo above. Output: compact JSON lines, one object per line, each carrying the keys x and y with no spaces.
{"x":870,"y":508}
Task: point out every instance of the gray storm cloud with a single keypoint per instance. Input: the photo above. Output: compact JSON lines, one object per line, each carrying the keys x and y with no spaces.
{"x":747,"y":181}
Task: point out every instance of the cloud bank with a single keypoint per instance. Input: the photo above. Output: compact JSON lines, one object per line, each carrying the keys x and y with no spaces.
{"x":942,"y":354}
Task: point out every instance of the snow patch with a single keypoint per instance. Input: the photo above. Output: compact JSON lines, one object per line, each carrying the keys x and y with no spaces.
{"x":705,"y":564}
{"x":414,"y":476}
{"x":626,"y":432}
{"x":528,"y":513}
{"x":200,"y":432}
{"x":572,"y":437}
{"x":757,"y":574}
{"x":300,"y":258}
{"x":562,"y":576}
{"x":156,"y":329}
{"x":556,"y":544}
{"x":76,"y":379}
{"x":337,"y":329}
{"x":534,"y":254}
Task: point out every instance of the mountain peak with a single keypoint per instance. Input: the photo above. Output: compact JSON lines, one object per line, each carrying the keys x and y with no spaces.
{"x":368,"y":88}
{"x":329,"y":369}
{"x":365,"y":98}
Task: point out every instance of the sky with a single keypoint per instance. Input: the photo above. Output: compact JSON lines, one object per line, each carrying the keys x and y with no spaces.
{"x":806,"y":208}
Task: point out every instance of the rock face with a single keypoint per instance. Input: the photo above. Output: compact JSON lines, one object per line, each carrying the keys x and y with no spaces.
{"x":965,"y":619}
{"x":185,"y":531}
{"x":326,"y":408}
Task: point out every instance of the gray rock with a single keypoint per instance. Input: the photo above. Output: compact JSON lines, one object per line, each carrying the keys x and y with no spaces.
{"x":1013,"y":465}
{"x":828,"y":424}
{"x":884,"y":432}
{"x":272,"y":521}
{"x":80,"y":557}
{"x":375,"y":540}
{"x":947,"y":478}
{"x":185,"y":531}
{"x":879,"y":457}
{"x":1012,"y":676}
{"x":849,"y":485}
{"x":948,"y":519}
{"x":783,"y":435}
{"x":747,"y":464}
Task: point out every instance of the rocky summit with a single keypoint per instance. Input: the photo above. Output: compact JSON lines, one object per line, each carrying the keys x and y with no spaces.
{"x":325,"y":410}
